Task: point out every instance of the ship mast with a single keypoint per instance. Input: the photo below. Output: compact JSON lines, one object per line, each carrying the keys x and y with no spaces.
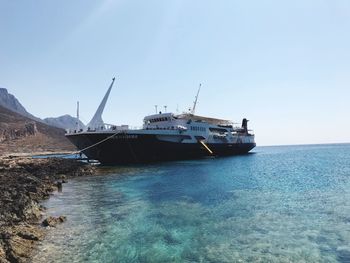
{"x":195,"y":102}
{"x":78,"y":116}
{"x":96,"y":121}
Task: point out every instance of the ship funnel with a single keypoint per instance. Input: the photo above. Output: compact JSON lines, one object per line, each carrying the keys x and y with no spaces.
{"x":96,"y":121}
{"x":245,"y":125}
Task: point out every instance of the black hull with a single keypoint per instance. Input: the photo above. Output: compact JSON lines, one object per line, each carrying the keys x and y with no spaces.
{"x":128,"y":148}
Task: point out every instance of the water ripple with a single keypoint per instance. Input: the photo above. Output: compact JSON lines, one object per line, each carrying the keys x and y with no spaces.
{"x":282,"y":204}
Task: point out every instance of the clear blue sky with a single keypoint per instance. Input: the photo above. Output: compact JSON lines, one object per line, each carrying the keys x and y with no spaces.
{"x":285,"y":65}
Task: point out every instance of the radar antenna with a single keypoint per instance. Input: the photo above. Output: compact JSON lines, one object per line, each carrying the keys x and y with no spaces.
{"x":195,"y":102}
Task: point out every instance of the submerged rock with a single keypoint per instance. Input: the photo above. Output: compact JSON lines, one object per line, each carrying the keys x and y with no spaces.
{"x":53,"y":221}
{"x":59,"y":186}
{"x":343,"y":254}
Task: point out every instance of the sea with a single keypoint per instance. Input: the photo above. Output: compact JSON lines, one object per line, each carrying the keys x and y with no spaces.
{"x":276,"y":204}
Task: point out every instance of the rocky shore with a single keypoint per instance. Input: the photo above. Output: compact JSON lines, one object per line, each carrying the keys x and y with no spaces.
{"x":24,"y":182}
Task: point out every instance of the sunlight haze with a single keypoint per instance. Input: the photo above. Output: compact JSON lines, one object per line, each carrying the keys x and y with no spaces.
{"x":284,"y":65}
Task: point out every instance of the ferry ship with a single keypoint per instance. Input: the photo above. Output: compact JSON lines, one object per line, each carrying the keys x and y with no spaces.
{"x":164,"y":136}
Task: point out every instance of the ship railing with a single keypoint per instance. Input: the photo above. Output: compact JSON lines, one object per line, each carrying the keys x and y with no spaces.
{"x":122,"y":127}
{"x":135,"y":127}
{"x":70,"y":131}
{"x":176,"y":127}
{"x":240,"y":131}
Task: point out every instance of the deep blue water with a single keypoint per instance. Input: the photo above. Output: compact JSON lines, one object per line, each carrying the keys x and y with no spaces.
{"x":278,"y":204}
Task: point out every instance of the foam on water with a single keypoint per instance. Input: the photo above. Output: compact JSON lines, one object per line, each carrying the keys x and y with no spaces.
{"x":281,"y":204}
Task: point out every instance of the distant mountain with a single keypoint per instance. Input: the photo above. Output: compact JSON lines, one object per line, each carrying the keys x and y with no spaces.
{"x":22,"y":134}
{"x":64,"y":122}
{"x":10,"y":102}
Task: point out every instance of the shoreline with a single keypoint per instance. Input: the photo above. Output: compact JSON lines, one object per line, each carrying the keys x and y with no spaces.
{"x":31,"y":154}
{"x":24,"y":183}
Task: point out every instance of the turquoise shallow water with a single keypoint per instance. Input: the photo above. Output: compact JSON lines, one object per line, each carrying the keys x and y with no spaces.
{"x":279,"y":204}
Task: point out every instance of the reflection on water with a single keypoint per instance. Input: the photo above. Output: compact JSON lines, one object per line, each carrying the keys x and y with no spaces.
{"x":282,"y":204}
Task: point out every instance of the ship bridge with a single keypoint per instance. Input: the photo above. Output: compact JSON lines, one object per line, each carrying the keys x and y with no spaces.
{"x":162,"y":121}
{"x":213,"y":121}
{"x":158,"y":118}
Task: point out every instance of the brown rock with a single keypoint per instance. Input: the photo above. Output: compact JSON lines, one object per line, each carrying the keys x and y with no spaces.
{"x":24,"y":182}
{"x":53,"y":221}
{"x":19,"y":248}
{"x":2,"y":253}
{"x":16,"y":242}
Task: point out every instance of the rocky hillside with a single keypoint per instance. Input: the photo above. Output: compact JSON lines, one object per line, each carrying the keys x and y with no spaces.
{"x":10,"y":102}
{"x":22,"y":134}
{"x":64,"y":122}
